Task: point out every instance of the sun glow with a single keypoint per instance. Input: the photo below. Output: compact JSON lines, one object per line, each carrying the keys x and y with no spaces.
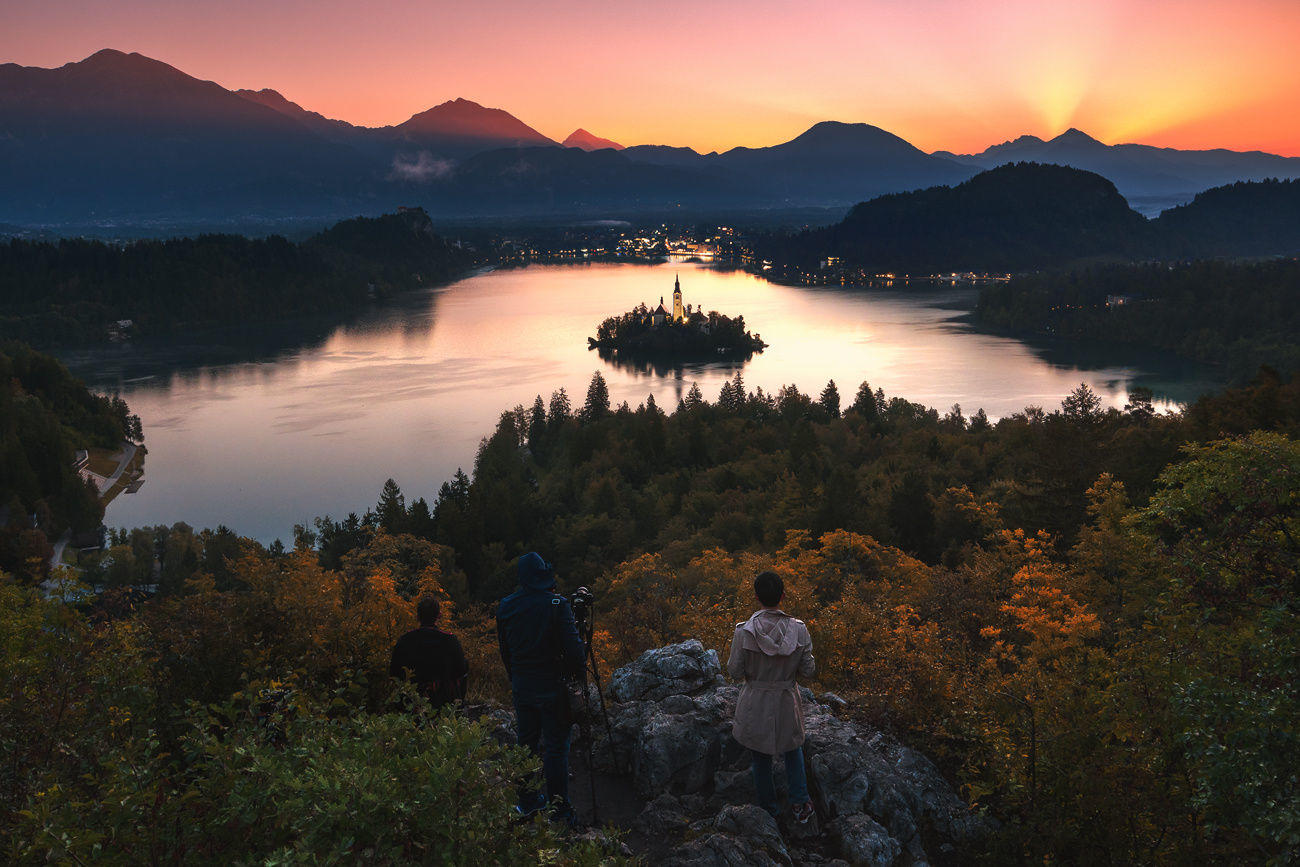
{"x":713,"y":74}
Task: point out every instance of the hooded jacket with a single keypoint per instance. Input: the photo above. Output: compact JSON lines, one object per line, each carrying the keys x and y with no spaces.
{"x":770,"y":650}
{"x":536,"y":631}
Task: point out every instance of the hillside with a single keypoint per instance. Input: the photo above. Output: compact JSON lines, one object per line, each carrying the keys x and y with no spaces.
{"x":121,"y":133}
{"x":1026,"y":216}
{"x":1008,"y":219}
{"x":72,"y":291}
{"x":1239,"y":315}
{"x":45,"y":416}
{"x":1138,"y":170}
{"x":1241,"y":219}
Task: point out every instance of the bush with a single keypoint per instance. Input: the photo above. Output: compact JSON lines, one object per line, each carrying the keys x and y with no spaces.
{"x":269,"y":778}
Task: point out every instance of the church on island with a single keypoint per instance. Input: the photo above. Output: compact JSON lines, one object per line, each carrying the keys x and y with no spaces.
{"x":684,"y":332}
{"x":680,"y":315}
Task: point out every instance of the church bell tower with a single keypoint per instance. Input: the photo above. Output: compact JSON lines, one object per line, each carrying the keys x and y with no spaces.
{"x":678,"y":315}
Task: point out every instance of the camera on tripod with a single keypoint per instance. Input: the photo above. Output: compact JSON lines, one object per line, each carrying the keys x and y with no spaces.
{"x":582,"y":600}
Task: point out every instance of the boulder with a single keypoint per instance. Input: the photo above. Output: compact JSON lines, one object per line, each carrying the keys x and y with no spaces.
{"x":740,"y":836}
{"x":882,"y":802}
{"x":864,"y":842}
{"x":678,"y":669}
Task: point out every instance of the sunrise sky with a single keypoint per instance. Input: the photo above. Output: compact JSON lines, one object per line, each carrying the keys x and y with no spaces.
{"x":712,"y":74}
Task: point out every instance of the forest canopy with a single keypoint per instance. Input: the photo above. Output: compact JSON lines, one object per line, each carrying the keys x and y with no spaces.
{"x":1086,"y":615}
{"x":1237,"y":314}
{"x":75,"y":291}
{"x":45,"y":416}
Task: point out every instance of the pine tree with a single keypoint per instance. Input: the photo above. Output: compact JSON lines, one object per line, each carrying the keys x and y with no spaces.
{"x":391,"y":509}
{"x":560,"y":409}
{"x":597,"y":405}
{"x":830,"y":399}
{"x":1082,"y":405}
{"x":725,"y":398}
{"x":694,"y":398}
{"x":864,"y":403}
{"x":536,"y":424}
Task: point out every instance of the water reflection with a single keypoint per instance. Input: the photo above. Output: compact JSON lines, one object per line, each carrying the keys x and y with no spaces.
{"x":650,"y":366}
{"x":260,"y":428}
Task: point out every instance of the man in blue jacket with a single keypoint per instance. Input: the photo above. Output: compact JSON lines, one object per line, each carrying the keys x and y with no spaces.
{"x":540,"y":645}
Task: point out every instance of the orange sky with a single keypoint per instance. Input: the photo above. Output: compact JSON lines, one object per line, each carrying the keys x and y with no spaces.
{"x":952,"y":74}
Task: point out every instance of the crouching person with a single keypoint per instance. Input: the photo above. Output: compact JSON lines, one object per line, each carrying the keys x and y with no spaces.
{"x":770,"y":650}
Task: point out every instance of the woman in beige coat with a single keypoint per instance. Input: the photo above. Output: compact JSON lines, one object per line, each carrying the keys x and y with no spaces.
{"x":769,"y":650}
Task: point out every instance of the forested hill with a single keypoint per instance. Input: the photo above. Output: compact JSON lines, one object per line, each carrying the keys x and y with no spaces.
{"x":45,"y":415}
{"x":1086,"y":616}
{"x":1007,"y":219}
{"x":1027,"y":216}
{"x":72,"y":291}
{"x":1237,"y":314}
{"x":1243,"y":219}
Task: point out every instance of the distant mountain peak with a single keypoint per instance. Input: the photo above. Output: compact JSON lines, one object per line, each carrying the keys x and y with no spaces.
{"x":580,"y":138}
{"x":837,"y":134}
{"x":113,"y":60}
{"x":1075,"y":136}
{"x":462,"y":118}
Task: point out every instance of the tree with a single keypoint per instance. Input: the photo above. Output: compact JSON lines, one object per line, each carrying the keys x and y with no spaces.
{"x":560,"y":410}
{"x":536,"y":425}
{"x":1082,"y":405}
{"x":391,"y":509}
{"x":597,"y":405}
{"x":830,"y":399}
{"x":864,"y":404}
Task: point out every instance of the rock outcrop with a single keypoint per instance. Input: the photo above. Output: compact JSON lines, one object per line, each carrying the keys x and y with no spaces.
{"x":878,"y":802}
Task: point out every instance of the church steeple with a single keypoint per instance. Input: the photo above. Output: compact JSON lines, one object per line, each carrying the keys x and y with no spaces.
{"x":678,"y":314}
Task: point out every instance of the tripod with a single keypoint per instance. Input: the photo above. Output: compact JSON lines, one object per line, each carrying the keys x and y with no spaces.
{"x":584,"y":618}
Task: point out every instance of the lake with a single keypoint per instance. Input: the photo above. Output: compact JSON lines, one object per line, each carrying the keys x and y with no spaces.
{"x":267,"y":426}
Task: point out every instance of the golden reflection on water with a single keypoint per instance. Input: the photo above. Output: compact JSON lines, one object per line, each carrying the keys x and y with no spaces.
{"x":408,"y":391}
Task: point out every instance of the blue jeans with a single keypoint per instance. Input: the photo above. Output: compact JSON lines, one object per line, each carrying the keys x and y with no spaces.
{"x":796,"y":780}
{"x":544,"y":729}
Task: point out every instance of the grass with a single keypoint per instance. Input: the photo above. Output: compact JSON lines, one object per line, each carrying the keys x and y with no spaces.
{"x":103,"y":462}
{"x":133,"y":469}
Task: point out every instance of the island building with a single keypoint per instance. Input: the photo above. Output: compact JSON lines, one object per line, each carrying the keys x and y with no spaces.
{"x":686,"y":314}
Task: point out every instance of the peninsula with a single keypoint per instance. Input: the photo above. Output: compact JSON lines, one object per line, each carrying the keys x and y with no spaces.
{"x":685,"y":332}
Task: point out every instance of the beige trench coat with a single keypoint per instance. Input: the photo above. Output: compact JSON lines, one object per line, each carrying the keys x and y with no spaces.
{"x":769,"y":713}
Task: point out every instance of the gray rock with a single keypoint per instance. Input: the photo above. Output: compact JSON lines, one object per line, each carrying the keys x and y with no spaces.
{"x":678,"y":669}
{"x":741,"y":836}
{"x":663,"y":818}
{"x":832,"y":701}
{"x":864,"y":843}
{"x":676,"y":753}
{"x":671,"y":717}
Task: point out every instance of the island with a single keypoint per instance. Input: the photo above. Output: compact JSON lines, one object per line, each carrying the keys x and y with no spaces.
{"x":684,"y":333}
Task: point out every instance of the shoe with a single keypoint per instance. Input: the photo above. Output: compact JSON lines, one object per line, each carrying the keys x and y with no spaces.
{"x":803,"y":812}
{"x":524,"y":812}
{"x":565,"y":815}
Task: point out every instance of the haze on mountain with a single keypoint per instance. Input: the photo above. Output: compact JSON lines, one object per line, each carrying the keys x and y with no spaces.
{"x":122,"y":137}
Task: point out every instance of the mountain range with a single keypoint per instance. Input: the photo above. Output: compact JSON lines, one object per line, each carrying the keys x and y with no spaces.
{"x":123,"y":137}
{"x":1025,"y":216}
{"x":1138,"y":170}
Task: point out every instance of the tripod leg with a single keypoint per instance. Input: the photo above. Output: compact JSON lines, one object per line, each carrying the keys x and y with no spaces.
{"x":585,"y":731}
{"x":609,"y":729}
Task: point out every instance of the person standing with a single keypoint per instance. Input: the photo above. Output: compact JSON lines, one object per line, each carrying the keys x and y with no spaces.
{"x":540,"y":646}
{"x":769,"y":651}
{"x":431,"y":659}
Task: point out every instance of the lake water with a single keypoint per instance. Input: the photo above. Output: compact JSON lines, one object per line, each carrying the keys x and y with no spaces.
{"x":265,"y":427}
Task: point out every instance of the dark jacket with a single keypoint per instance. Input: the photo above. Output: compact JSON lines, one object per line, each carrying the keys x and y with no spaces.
{"x":434,"y":661}
{"x":538,"y":637}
